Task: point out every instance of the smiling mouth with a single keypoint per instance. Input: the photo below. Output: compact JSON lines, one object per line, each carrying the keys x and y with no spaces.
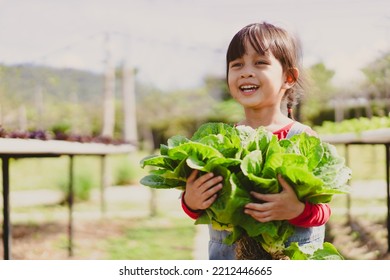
{"x":248,"y":88}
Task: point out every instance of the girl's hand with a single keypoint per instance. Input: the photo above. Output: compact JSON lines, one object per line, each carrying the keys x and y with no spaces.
{"x":201,"y":192}
{"x":281,"y":206}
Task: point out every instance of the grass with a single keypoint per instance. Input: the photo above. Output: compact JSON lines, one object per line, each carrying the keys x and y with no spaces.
{"x":51,"y":173}
{"x":154,"y":239}
{"x":137,"y":238}
{"x":368,"y":162}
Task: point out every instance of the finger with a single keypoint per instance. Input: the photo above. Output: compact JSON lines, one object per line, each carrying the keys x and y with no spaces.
{"x":213,"y":190}
{"x":262,"y":197}
{"x":259,"y":216}
{"x":286,"y":186}
{"x":257,"y":207}
{"x":207,"y":203}
{"x":204,"y":178}
{"x":211,"y":183}
{"x":281,"y":180}
{"x":192,"y":176}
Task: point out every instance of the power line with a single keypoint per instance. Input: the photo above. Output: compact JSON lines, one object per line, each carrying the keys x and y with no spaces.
{"x":67,"y":47}
{"x":132,"y":38}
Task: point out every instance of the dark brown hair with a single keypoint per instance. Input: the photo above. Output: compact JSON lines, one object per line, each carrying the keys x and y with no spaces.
{"x":265,"y":37}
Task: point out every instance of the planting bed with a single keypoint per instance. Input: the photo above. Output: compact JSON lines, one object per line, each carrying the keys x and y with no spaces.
{"x":359,"y":239}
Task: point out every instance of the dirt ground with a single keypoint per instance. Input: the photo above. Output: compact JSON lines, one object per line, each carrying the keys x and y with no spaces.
{"x":43,"y":233}
{"x":48,"y":239}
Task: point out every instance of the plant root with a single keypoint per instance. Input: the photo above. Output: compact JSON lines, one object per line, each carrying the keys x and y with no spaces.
{"x":250,"y":249}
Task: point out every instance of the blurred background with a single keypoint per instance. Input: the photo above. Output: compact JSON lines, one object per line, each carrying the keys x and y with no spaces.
{"x":140,"y":71}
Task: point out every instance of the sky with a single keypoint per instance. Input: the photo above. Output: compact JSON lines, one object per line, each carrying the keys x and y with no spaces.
{"x":174,"y":44}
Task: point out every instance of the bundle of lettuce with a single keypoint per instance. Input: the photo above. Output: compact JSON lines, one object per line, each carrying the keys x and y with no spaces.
{"x":249,"y":160}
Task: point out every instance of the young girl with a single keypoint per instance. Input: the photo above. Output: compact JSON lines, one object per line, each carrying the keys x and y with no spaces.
{"x":263,"y":72}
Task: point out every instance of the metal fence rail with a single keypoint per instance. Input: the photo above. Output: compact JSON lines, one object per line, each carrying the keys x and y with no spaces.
{"x":31,"y":148}
{"x":371,"y":137}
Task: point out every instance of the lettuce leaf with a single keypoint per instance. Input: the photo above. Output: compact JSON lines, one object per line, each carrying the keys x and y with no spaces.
{"x":249,"y":160}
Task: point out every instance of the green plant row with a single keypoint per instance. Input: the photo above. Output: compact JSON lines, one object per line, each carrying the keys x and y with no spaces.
{"x":357,"y":125}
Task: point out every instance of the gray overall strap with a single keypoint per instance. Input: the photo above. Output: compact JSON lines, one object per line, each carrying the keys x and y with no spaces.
{"x":311,"y":238}
{"x":297,"y":128}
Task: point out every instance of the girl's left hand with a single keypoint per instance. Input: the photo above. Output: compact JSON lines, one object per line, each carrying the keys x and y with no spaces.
{"x":280,"y":206}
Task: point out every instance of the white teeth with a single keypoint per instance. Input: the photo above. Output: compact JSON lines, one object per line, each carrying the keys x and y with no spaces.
{"x":248,"y":87}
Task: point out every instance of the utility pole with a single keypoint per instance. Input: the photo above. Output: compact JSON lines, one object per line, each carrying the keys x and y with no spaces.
{"x":108,"y":116}
{"x":109,"y":93}
{"x":129,"y":105}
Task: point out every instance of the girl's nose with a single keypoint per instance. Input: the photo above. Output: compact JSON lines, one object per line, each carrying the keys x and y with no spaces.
{"x":247,"y":74}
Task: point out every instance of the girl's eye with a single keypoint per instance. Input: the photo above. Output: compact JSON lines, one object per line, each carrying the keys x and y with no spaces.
{"x":260,"y":62}
{"x":235,"y":64}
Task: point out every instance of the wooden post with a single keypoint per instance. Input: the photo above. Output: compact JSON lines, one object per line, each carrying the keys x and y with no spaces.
{"x":387,"y":146}
{"x":153,"y":202}
{"x":6,"y":210}
{"x":70,"y":205}
{"x":347,"y":161}
{"x":104,"y":183}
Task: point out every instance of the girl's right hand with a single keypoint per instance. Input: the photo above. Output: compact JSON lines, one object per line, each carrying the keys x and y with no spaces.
{"x":201,"y":192}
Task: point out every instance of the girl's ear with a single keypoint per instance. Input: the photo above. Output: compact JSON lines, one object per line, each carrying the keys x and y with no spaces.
{"x":291,"y":77}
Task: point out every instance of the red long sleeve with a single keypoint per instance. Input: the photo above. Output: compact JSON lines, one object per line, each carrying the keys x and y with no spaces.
{"x":313,"y":215}
{"x":189,"y":212}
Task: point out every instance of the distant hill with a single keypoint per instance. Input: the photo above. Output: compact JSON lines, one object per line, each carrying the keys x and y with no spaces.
{"x":34,"y":96}
{"x":21,"y":82}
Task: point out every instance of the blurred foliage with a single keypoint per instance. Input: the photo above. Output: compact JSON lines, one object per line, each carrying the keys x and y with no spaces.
{"x":378,"y":76}
{"x":355,"y":125}
{"x":125,"y":171}
{"x":319,"y":92}
{"x":169,"y":113}
{"x":49,"y":96}
{"x":325,"y":102}
{"x":228,"y":111}
{"x":151,"y":239}
{"x":84,"y":183}
{"x":377,"y":84}
{"x":61,"y":127}
{"x":217,"y":87}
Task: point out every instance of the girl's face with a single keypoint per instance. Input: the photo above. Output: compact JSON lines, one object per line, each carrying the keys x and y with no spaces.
{"x":256,"y":81}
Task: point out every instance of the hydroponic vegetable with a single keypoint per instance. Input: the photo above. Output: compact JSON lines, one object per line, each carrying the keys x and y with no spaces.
{"x":356,"y":125}
{"x":249,"y":160}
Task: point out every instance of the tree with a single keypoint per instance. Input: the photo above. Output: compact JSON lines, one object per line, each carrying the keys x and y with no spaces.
{"x":168,"y":113}
{"x":377,"y":84}
{"x":319,"y":92}
{"x":217,"y":87}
